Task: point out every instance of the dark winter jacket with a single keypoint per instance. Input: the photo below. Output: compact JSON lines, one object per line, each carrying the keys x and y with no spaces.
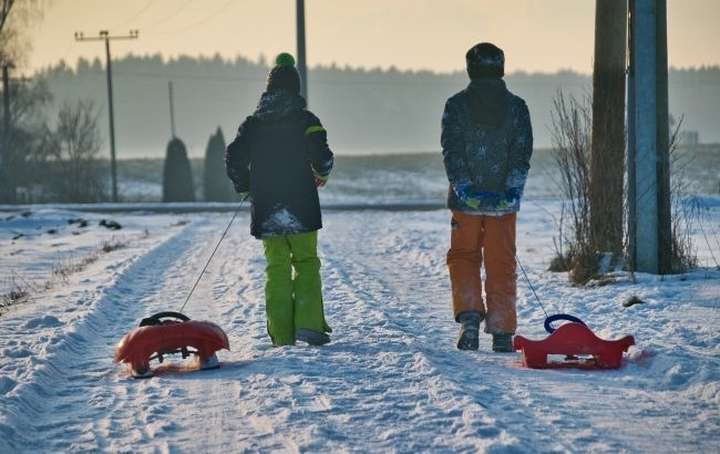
{"x":278,"y":152}
{"x":487,"y":143}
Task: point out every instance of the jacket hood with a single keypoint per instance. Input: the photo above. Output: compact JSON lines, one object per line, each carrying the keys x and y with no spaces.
{"x":278,"y":104}
{"x":489,"y":101}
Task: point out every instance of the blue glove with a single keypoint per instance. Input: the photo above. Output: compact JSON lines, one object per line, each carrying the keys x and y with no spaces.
{"x":474,"y":199}
{"x":489,"y":198}
{"x":512,"y":197}
{"x":462,"y":190}
{"x":512,"y":194}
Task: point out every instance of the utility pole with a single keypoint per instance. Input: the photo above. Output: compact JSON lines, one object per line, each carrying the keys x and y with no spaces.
{"x":172,"y":109}
{"x":608,"y":128}
{"x":302,"y":64}
{"x":104,"y":35}
{"x":7,"y":188}
{"x":648,"y":138}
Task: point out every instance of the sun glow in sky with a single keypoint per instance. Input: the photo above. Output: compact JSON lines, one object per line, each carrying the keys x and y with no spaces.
{"x":537,"y":35}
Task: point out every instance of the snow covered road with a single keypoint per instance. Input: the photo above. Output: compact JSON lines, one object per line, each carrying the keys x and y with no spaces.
{"x":391,"y":379}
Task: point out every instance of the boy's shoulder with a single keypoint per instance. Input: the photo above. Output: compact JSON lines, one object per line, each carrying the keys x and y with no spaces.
{"x":457,"y":98}
{"x":311,"y":118}
{"x":516,"y":102}
{"x":247,"y":121}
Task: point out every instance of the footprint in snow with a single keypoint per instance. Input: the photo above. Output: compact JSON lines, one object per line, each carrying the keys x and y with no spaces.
{"x":16,"y":353}
{"x":6,"y":385}
{"x":47,"y":321}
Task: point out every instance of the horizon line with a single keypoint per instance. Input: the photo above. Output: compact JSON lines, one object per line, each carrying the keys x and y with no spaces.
{"x":263,"y":61}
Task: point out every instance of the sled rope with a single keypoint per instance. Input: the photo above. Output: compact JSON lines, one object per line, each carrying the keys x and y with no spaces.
{"x":217,"y":246}
{"x":527,"y":279}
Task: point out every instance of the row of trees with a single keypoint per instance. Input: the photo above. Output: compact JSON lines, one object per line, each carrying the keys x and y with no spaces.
{"x":57,"y":159}
{"x":178,"y":183}
{"x":50,"y":160}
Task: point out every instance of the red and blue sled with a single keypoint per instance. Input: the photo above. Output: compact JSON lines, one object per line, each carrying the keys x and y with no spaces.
{"x":168,"y":333}
{"x":572,"y":345}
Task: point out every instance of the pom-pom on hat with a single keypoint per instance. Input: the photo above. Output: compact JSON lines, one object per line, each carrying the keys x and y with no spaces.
{"x":485,"y":60}
{"x":284,"y":59}
{"x":284,"y":76}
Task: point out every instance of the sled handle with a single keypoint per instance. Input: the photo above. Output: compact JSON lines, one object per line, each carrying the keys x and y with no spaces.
{"x":553,"y":318}
{"x":157,"y":319}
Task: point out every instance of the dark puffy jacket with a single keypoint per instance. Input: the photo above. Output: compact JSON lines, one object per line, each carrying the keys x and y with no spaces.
{"x":487,"y":143}
{"x":278,"y":152}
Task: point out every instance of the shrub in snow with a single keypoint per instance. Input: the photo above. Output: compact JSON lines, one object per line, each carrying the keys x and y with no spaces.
{"x":74,"y":173}
{"x":177,"y":174}
{"x":572,"y":130}
{"x":216,"y":185}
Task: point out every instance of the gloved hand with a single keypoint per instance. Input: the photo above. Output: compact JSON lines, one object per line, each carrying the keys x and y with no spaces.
{"x":512,"y":194}
{"x":511,"y":197}
{"x":320,"y":181}
{"x":473,"y":203}
{"x":489,"y":199}
{"x":475,"y":199}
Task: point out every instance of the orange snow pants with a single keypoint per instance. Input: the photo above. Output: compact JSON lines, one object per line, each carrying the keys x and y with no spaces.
{"x":492,"y":238}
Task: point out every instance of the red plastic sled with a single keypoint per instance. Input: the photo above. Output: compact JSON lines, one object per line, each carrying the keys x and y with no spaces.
{"x":581,"y":347}
{"x":157,"y":336}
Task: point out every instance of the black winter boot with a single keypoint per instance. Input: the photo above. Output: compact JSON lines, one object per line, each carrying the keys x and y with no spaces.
{"x":469,"y":331}
{"x":502,"y":343}
{"x":311,"y":337}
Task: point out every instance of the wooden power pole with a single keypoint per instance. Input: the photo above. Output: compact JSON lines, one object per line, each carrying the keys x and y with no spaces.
{"x":608,"y":128}
{"x":171,"y":99}
{"x":104,"y":35}
{"x":302,"y":63}
{"x":649,"y":220}
{"x":7,"y":189}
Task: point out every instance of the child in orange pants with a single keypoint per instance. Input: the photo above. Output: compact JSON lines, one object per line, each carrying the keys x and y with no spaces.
{"x":487,"y":143}
{"x":471,"y":236}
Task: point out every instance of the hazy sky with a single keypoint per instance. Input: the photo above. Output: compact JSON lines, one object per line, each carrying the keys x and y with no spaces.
{"x":537,"y":35}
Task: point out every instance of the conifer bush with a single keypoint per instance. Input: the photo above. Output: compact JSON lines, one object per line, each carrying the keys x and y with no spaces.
{"x":216,"y":185}
{"x":177,"y":174}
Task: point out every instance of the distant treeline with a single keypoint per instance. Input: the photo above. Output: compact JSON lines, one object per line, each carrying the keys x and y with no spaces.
{"x":364,"y":110}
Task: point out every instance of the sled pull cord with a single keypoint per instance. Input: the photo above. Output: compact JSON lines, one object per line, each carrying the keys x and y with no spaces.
{"x":237,"y":211}
{"x":527,"y":279}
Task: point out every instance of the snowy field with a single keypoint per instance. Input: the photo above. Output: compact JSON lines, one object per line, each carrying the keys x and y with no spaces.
{"x":391,"y":380}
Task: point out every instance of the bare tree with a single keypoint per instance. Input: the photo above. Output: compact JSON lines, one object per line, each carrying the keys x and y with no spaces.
{"x":24,"y":138}
{"x":14,"y":47}
{"x":72,"y":149}
{"x":5,"y":12}
{"x":572,"y":125}
{"x":15,"y":16}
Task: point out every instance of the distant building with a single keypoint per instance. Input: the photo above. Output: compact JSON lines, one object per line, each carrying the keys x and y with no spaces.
{"x":689,"y":138}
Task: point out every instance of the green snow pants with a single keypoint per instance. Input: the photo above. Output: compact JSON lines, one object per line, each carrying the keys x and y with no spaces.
{"x":293,"y":300}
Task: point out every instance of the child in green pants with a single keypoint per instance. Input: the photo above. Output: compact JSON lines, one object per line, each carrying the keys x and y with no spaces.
{"x":294,"y":302}
{"x":279,"y":158}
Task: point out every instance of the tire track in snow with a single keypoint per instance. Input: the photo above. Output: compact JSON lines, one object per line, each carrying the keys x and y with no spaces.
{"x":72,"y":399}
{"x":554,"y":409}
{"x":391,"y":379}
{"x":406,"y":298}
{"x":511,"y":395}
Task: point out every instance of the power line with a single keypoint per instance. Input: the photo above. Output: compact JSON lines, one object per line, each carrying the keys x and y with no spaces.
{"x":167,"y":18}
{"x":201,"y":21}
{"x":138,"y":14}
